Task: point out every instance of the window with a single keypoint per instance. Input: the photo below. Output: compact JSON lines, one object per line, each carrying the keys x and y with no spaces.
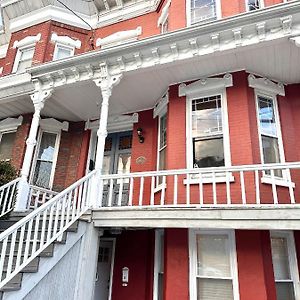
{"x":61,"y":52}
{"x":45,"y":159}
{"x":23,"y":59}
{"x":254,"y":4}
{"x":213,"y":265}
{"x":7,"y":140}
{"x":1,"y":20}
{"x":159,"y":265}
{"x":207,"y":132}
{"x":285,"y":265}
{"x":269,"y":130}
{"x":162,"y":144}
{"x":202,"y":11}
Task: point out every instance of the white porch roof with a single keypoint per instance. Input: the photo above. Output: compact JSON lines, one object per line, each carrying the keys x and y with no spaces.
{"x":260,"y":43}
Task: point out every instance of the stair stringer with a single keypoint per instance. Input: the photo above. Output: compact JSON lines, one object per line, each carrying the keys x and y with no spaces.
{"x":31,"y":281}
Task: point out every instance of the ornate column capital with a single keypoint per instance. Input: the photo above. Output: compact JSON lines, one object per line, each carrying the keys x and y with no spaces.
{"x":39,"y":97}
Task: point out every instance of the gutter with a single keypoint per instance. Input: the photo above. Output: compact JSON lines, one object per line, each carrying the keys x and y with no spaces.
{"x":248,"y":18}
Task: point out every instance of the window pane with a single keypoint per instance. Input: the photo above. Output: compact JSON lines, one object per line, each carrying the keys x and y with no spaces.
{"x":25,"y":59}
{"x":163,"y":131}
{"x":270,"y":149}
{"x":280,"y":258}
{"x":125,"y":142}
{"x":202,"y":10}
{"x":214,"y":289}
{"x":206,"y":116}
{"x":285,"y":291}
{"x":213,"y":257}
{"x":253,"y":4}
{"x":266,"y":116}
{"x":6,"y":145}
{"x":47,"y":146}
{"x":208,"y":153}
{"x":124,"y":161}
{"x":162,"y":160}
{"x":42,"y":173}
{"x":63,"y":53}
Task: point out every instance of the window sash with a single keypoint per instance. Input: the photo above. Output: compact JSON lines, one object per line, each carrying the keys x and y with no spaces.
{"x":254,"y":5}
{"x":6,"y":145}
{"x":24,"y":57}
{"x":206,"y":11}
{"x":62,"y":52}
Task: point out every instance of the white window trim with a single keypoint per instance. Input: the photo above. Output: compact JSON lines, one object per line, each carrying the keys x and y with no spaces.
{"x":189,"y":7}
{"x":193,"y":260}
{"x":163,"y":18}
{"x":261,"y":3}
{"x":55,"y":156}
{"x":10,"y":124}
{"x":204,"y":88}
{"x":286,"y":174}
{"x":18,"y":57}
{"x":157,"y":259}
{"x":289,"y":236}
{"x":56,"y":49}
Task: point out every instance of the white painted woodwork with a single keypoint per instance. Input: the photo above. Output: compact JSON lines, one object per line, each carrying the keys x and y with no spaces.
{"x":65,"y":40}
{"x":7,"y":194}
{"x":39,"y":196}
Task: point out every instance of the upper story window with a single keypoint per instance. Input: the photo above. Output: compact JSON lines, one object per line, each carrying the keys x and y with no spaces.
{"x":25,"y":52}
{"x":254,"y":4}
{"x":213,"y":265}
{"x":62,"y":52}
{"x":207,"y":122}
{"x":285,"y":265}
{"x":1,"y":20}
{"x":23,"y":59}
{"x":203,"y":11}
{"x":64,"y":46}
{"x":163,"y":20}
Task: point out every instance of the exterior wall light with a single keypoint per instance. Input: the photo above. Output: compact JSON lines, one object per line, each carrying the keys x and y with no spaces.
{"x":140,"y":135}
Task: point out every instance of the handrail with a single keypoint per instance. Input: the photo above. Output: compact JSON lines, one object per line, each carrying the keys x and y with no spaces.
{"x":40,"y":228}
{"x":7,"y":196}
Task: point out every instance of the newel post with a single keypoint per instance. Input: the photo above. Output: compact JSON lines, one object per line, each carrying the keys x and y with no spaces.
{"x":105,"y":82}
{"x":38,"y":99}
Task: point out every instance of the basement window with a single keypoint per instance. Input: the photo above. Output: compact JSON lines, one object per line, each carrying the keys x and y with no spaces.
{"x":254,"y":4}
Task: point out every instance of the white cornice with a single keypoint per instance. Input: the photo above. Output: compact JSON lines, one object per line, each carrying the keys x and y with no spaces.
{"x":115,"y":123}
{"x":65,"y":40}
{"x":205,"y":85}
{"x":119,"y":37}
{"x":10,"y":124}
{"x":27,"y":41}
{"x":53,"y":125}
{"x":266,"y":85}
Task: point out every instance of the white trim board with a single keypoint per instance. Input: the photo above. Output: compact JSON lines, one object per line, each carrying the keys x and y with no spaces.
{"x":10,"y":124}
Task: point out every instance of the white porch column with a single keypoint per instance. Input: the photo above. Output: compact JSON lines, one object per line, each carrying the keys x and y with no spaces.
{"x":106,"y":84}
{"x":38,"y":99}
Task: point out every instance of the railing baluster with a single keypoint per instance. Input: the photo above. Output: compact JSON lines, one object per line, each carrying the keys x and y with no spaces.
{"x":175,"y":198}
{"x":120,"y":192}
{"x":3,"y":254}
{"x":28,"y":239}
{"x":243,"y":190}
{"x":214,"y":188}
{"x":228,"y":192}
{"x":11,"y":253}
{"x":163,"y":191}
{"x":5,"y":200}
{"x":141,"y":191}
{"x":257,"y":187}
{"x":35,"y":236}
{"x":79,"y":200}
{"x":50,"y":223}
{"x":43,"y":231}
{"x":20,"y":248}
{"x":110,"y":192}
{"x":131,"y":191}
{"x":291,"y":189}
{"x":152,"y":190}
{"x":75,"y":201}
{"x":188,"y":189}
{"x":274,"y":189}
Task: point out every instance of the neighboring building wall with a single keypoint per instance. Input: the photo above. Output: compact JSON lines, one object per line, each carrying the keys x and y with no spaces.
{"x":134,"y":250}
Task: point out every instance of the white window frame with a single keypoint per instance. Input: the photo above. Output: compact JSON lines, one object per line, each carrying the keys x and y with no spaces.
{"x":289,"y":236}
{"x":159,"y":233}
{"x":164,"y":17}
{"x":6,"y":132}
{"x":18,"y":57}
{"x":55,"y":156}
{"x":62,"y":46}
{"x":193,"y":259}
{"x":189,"y":8}
{"x":261,"y":4}
{"x":267,"y":178}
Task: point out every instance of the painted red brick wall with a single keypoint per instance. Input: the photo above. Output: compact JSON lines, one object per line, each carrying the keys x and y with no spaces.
{"x":134,"y":250}
{"x":254,"y":272}
{"x":176,"y":266}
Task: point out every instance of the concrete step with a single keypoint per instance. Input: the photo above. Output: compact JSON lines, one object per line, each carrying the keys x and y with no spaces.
{"x":32,"y":267}
{"x":48,"y":252}
{"x":14,"y":284}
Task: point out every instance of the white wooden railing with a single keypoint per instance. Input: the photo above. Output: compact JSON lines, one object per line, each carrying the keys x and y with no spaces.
{"x":39,"y":196}
{"x":272,"y":184}
{"x":7,"y":196}
{"x":26,"y":239}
